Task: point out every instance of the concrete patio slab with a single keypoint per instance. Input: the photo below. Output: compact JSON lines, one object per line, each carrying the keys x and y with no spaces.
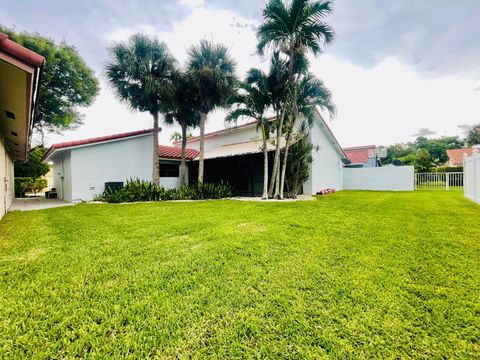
{"x":38,"y":203}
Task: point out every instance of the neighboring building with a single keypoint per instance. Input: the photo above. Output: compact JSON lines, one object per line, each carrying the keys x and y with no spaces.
{"x":81,"y":168}
{"x":455,"y":156}
{"x":363,"y":156}
{"x":19,"y":80}
{"x":234,"y":155}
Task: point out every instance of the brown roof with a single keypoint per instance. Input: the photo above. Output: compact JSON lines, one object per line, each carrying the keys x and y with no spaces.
{"x":359,"y":154}
{"x":456,"y":155}
{"x":175,"y":152}
{"x":19,"y":52}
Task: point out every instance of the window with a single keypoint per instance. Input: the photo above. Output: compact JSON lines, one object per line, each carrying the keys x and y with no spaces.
{"x":169,"y":170}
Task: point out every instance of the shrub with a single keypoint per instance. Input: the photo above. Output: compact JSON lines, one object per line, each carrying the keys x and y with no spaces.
{"x":22,"y":184}
{"x":442,"y":169}
{"x":141,"y":190}
{"x":38,"y":185}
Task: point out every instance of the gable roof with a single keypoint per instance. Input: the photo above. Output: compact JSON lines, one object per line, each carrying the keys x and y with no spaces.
{"x":323,"y":124}
{"x":175,"y":152}
{"x":455,"y":156}
{"x":93,"y":141}
{"x":359,"y":154}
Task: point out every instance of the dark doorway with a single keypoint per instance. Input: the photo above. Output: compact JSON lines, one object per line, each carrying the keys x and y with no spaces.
{"x":244,"y":173}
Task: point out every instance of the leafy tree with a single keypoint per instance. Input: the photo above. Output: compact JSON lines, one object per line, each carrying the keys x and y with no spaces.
{"x":141,"y":72}
{"x":183,"y":111}
{"x":295,"y":29}
{"x":253,"y":101}
{"x":473,"y":137}
{"x":38,"y":185}
{"x":33,"y":167}
{"x":213,"y":73}
{"x":66,"y":84}
{"x":422,"y":161}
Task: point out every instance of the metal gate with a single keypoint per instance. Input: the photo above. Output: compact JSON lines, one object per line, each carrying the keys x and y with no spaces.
{"x":439,"y":181}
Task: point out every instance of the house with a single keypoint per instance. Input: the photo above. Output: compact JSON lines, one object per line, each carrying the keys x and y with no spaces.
{"x":363,"y":156}
{"x":19,"y":81}
{"x":234,"y":155}
{"x":455,"y":156}
{"x":81,"y":168}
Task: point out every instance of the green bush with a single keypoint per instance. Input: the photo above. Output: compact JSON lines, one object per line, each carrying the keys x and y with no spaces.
{"x":38,"y":185}
{"x":22,"y":184}
{"x":442,"y":169}
{"x":141,"y":190}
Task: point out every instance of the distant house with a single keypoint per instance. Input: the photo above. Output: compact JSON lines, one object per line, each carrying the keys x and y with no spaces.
{"x":234,"y":155}
{"x":455,"y":156}
{"x":363,"y":156}
{"x":19,"y":81}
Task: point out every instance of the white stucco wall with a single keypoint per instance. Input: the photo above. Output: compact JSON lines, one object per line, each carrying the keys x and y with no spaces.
{"x":93,"y":165}
{"x":62,"y":175}
{"x":390,"y":178}
{"x":232,"y":136}
{"x":6,"y":180}
{"x":326,"y":170}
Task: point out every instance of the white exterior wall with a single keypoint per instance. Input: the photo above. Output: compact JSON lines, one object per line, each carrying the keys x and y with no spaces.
{"x":471,"y":179}
{"x":326,"y":169}
{"x":95,"y":164}
{"x":391,"y":178}
{"x":6,"y":180}
{"x":62,"y":175}
{"x":232,"y":136}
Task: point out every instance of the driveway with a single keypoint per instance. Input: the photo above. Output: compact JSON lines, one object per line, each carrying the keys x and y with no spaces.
{"x":38,"y":203}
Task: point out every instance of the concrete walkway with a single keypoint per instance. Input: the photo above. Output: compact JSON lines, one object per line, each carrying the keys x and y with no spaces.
{"x":38,"y":203}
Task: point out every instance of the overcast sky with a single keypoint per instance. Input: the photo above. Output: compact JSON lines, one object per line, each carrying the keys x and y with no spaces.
{"x":397,"y":69}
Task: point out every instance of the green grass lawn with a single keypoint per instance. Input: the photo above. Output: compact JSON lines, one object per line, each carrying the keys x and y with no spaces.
{"x":350,"y":275}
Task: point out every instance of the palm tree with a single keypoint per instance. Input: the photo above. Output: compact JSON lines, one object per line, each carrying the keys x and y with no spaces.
{"x":141,"y":72}
{"x":183,"y":111}
{"x":213,"y":73}
{"x":253,"y":101}
{"x":295,"y":29}
{"x":311,"y":93}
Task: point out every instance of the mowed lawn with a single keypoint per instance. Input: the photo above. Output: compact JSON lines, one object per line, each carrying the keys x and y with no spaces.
{"x":349,"y":275}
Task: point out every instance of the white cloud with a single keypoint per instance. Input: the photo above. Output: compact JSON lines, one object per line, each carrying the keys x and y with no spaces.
{"x":380,"y":105}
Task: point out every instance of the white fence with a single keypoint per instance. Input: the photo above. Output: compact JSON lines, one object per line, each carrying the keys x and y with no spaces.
{"x":387,"y":178}
{"x":471,"y":168}
{"x":439,"y":181}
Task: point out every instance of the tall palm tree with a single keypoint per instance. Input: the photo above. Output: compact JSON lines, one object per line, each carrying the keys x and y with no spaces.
{"x":253,"y":100}
{"x":311,"y":93}
{"x":295,"y":29}
{"x":183,"y":111}
{"x":140,"y":72}
{"x":213,"y":72}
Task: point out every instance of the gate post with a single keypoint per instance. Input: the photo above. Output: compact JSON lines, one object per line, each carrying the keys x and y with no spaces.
{"x":447,"y":181}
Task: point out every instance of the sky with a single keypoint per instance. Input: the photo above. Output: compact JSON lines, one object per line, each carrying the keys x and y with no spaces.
{"x":397,"y":68}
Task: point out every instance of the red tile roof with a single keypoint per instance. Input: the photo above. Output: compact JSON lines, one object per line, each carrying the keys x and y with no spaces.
{"x":358,"y":154}
{"x":175,"y":152}
{"x":99,"y":139}
{"x":456,"y":155}
{"x":19,"y":52}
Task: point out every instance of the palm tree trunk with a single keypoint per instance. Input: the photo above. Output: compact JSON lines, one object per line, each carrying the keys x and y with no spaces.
{"x":203,"y":118}
{"x":284,"y":164}
{"x":156,"y":161}
{"x":182,"y":162}
{"x":275,"y":164}
{"x":265,"y":164}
